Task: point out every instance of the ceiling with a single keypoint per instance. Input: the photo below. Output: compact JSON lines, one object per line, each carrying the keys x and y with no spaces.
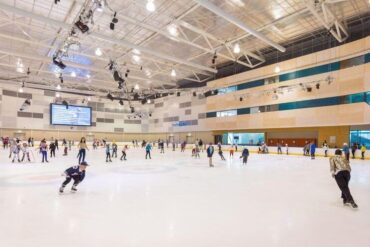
{"x":179,"y":35}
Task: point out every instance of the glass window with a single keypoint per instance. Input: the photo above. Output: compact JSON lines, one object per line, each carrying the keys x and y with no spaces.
{"x":352,"y":62}
{"x":243,"y":138}
{"x":226,"y":90}
{"x":271,"y":80}
{"x":228,"y":113}
{"x":360,"y":137}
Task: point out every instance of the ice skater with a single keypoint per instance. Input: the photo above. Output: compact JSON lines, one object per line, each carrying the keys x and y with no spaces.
{"x":77,"y":173}
{"x":326,"y":148}
{"x":279,"y":151}
{"x":52,"y":148}
{"x":312,"y":150}
{"x":341,"y":171}
{"x":210,"y":151}
{"x":287,"y":149}
{"x":148,"y":148}
{"x":44,"y":150}
{"x":220,"y":151}
{"x":14,"y":150}
{"x":25,"y":152}
{"x":245,"y":155}
{"x":231,"y":151}
{"x":114,"y":149}
{"x":124,"y":153}
{"x":107,"y":153}
{"x":82,"y":150}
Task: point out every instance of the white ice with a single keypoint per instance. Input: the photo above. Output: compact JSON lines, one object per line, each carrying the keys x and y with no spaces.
{"x":174,"y":200}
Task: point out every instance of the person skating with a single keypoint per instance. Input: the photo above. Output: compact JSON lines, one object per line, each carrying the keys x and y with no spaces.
{"x":353,"y":150}
{"x":14,"y":150}
{"x":124,"y":153}
{"x":52,"y":148}
{"x":148,"y":148}
{"x":77,"y":173}
{"x":312,"y":150}
{"x":196,"y":151}
{"x":279,"y":151}
{"x":201,"y":145}
{"x":346,"y":150}
{"x":287,"y":149}
{"x":363,"y":150}
{"x":245,"y":155}
{"x":161,"y":146}
{"x":326,"y":148}
{"x":25,"y":152}
{"x":173,"y":146}
{"x":82,"y":150}
{"x":210,"y":151}
{"x":220,"y":151}
{"x":231,"y":151}
{"x":56,"y":145}
{"x":341,"y":171}
{"x":44,"y":150}
{"x":114,"y":150}
{"x":107,"y":153}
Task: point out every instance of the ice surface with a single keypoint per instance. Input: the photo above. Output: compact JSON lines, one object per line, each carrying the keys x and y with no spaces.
{"x":174,"y":200}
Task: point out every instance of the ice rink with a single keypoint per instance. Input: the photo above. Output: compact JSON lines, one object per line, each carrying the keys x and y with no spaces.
{"x":174,"y":200}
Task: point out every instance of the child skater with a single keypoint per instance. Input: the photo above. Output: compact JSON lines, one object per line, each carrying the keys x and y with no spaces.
{"x":124,"y":150}
{"x":245,"y":155}
{"x":14,"y":149}
{"x":25,"y":152}
{"x":197,"y":151}
{"x":107,"y":152}
{"x":114,"y":150}
{"x":77,"y":173}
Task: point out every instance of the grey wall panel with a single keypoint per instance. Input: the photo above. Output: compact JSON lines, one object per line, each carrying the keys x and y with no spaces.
{"x":188,"y":112}
{"x":202,"y":115}
{"x":37,"y":115}
{"x":10,"y":93}
{"x":25,"y":95}
{"x":132,"y":121}
{"x":109,"y":120}
{"x":100,"y":120}
{"x":120,"y":130}
{"x":185,"y":104}
{"x":49,"y":93}
{"x":24,"y":114}
{"x":157,"y":105}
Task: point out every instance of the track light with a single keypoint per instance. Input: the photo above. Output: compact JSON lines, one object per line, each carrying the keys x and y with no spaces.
{"x":73,"y":74}
{"x":172,"y":29}
{"x":20,"y":90}
{"x":136,"y":87}
{"x":121,"y":102}
{"x":148,"y":101}
{"x":317,"y":86}
{"x":57,"y":95}
{"x":178,"y":94}
{"x":114,"y":21}
{"x":236,"y":48}
{"x":150,"y":6}
{"x":241,"y":99}
{"x":194,"y":94}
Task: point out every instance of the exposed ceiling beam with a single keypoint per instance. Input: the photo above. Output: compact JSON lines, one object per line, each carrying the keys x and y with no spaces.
{"x":49,"y":21}
{"x":232,"y":19}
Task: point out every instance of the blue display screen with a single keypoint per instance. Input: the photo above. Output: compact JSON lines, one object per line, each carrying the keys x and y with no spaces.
{"x":71,"y":115}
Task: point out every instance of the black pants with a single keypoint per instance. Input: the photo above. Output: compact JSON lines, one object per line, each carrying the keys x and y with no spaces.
{"x":245,"y":159}
{"x":221,"y":155}
{"x":107,"y":157}
{"x":52,"y":153}
{"x":353,"y":154}
{"x":81,"y":155}
{"x":114,"y":153}
{"x":362,"y":155}
{"x":76,"y":181}
{"x":347,"y":156}
{"x":147,"y":154}
{"x":28,"y":156}
{"x":123,"y":157}
{"x":342,"y":179}
{"x":326,"y":153}
{"x":279,"y":150}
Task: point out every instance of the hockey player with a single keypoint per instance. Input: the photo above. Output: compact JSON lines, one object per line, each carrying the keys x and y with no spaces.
{"x":77,"y":173}
{"x":25,"y":152}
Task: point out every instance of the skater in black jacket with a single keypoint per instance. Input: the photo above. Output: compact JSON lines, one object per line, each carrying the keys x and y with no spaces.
{"x":77,"y":173}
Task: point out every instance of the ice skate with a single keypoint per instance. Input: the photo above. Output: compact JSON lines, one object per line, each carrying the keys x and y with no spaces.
{"x":61,"y":189}
{"x":74,"y":189}
{"x":354,"y":205}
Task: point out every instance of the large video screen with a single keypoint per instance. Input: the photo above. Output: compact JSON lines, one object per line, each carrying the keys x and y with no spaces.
{"x":70,"y":115}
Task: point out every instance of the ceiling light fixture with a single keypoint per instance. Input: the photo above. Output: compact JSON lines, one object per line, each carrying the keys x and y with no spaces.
{"x":20,"y":90}
{"x":89,"y":98}
{"x":172,"y":29}
{"x":150,"y":6}
{"x":137,"y":87}
{"x":173,"y":72}
{"x":73,"y":74}
{"x":57,"y":95}
{"x":98,"y":52}
{"x":277,"y":69}
{"x":58,"y":87}
{"x":236,"y":48}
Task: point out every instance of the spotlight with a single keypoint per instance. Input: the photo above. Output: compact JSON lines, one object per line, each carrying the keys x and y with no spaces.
{"x":58,"y":87}
{"x":20,"y":90}
{"x":178,"y":94}
{"x":132,"y":109}
{"x":143,"y":101}
{"x":277,"y":69}
{"x":57,"y":95}
{"x":194,"y":94}
{"x":58,"y":62}
{"x":236,"y":48}
{"x":99,"y":52}
{"x":309,"y":89}
{"x":25,"y":104}
{"x":73,"y":74}
{"x":121,"y":102}
{"x":150,"y":114}
{"x":148,"y":101}
{"x":318,"y":86}
{"x":241,"y":99}
{"x":114,"y":21}
{"x":150,"y":6}
{"x":110,"y":96}
{"x":88,"y":98}
{"x":82,"y":26}
{"x":137,"y":87}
